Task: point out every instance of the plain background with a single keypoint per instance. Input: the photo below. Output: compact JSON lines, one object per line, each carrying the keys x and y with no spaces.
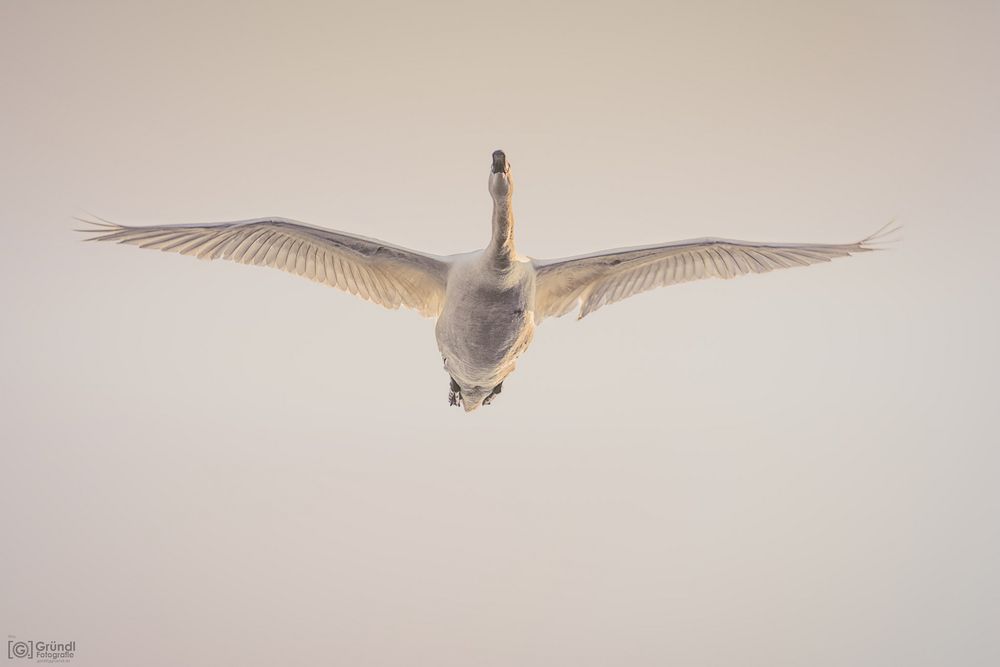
{"x":208,"y":464}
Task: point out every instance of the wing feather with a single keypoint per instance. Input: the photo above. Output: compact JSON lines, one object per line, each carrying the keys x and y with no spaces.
{"x":385,"y":274}
{"x":596,"y":280}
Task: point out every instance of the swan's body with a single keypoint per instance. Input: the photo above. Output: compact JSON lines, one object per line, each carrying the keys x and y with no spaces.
{"x":489,"y":302}
{"x":479,"y":345}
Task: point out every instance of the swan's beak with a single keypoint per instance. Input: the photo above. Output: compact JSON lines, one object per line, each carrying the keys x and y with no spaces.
{"x":500,"y":165}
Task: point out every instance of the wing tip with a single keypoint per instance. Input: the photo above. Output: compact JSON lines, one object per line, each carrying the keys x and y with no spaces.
{"x":99,"y":227}
{"x":883,"y":238}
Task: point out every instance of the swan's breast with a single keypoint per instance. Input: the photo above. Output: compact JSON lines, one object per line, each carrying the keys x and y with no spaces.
{"x":487,"y":320}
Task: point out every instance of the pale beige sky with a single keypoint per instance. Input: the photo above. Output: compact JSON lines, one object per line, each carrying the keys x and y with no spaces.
{"x":210,"y":464}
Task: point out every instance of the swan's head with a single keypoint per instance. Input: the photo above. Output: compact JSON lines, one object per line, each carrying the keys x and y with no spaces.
{"x":501,"y":184}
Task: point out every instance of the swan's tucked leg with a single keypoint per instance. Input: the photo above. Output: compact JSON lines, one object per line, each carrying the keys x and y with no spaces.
{"x":454,"y":393}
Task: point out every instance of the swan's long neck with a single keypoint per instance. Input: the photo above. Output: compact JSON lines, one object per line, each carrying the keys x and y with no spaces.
{"x":501,"y":245}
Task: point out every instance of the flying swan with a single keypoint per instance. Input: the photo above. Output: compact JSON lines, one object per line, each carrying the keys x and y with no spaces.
{"x":487,"y":303}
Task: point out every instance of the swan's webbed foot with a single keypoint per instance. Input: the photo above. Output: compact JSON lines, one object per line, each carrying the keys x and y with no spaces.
{"x":493,"y":394}
{"x":454,"y":393}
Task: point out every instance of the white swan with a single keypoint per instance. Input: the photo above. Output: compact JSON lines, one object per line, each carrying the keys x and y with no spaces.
{"x":488,"y":302}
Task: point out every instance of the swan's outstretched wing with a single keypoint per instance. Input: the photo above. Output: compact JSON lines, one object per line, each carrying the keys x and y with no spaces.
{"x":379,"y":272}
{"x":601,"y":278}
